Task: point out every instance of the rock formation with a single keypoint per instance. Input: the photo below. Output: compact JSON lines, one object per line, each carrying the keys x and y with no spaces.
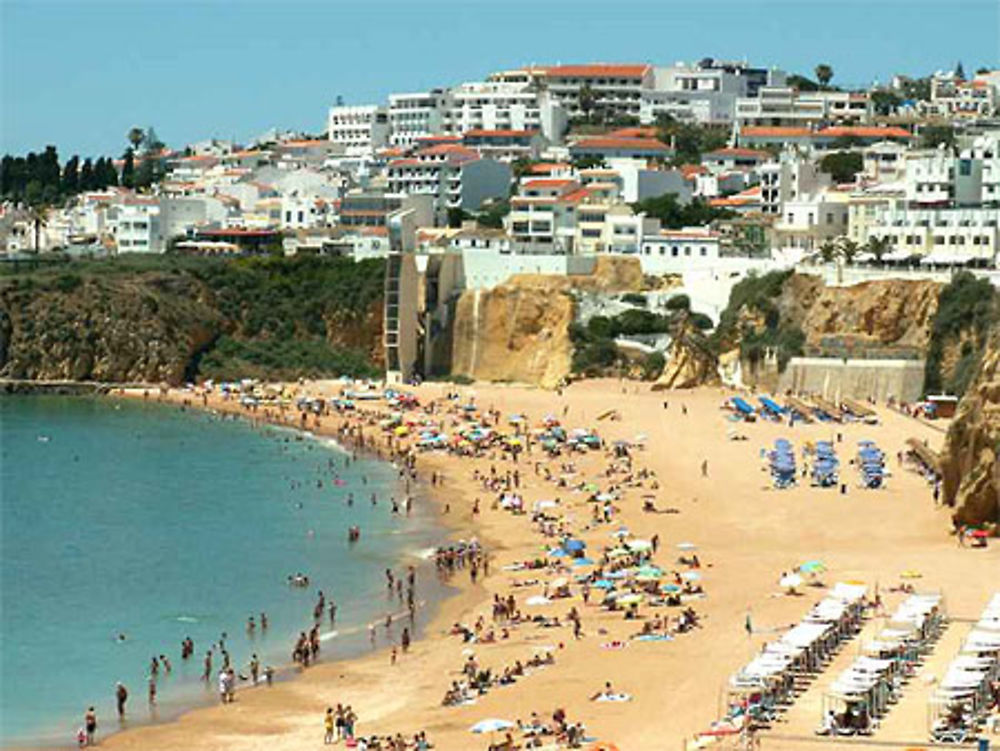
{"x":970,"y":468}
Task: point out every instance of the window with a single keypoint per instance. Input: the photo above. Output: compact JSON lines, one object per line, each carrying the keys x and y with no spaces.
{"x":704,"y":252}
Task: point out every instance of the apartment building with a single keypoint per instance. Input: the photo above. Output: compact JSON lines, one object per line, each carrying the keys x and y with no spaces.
{"x":884,"y":162}
{"x":785,"y":106}
{"x":456,"y":176}
{"x":809,"y":220}
{"x":617,"y":147}
{"x":135,"y":226}
{"x":953,"y":97}
{"x":703,"y":92}
{"x":417,"y":115}
{"x":950,"y":236}
{"x":788,"y":179}
{"x":666,"y":251}
{"x":372,"y":208}
{"x":360,"y":129}
{"x":505,"y":145}
{"x":503,"y":105}
{"x":616,"y":88}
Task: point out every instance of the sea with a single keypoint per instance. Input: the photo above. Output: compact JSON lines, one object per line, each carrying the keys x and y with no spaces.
{"x":126,"y":527}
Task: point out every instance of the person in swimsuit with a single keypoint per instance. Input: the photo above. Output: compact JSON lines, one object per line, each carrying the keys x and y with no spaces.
{"x":90,"y":724}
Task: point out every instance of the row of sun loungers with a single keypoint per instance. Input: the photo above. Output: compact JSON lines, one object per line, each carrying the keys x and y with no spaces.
{"x":963,"y":696}
{"x":769,"y":683}
{"x":863,"y":694}
{"x":871,"y":464}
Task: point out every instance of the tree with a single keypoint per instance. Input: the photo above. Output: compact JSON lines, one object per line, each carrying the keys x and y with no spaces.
{"x":959,"y":71}
{"x":87,"y":175}
{"x":128,"y":169}
{"x":457,"y":215}
{"x":802,"y":83}
{"x":842,"y":166}
{"x":878,"y":246}
{"x":931,"y":136}
{"x":848,"y":249}
{"x":493,"y":213}
{"x":71,"y":176}
{"x":673,"y":215}
{"x":885,"y":102}
{"x":587,"y":99}
{"x":824,"y":74}
{"x":828,"y":251}
{"x":152,"y":142}
{"x":135,"y":136}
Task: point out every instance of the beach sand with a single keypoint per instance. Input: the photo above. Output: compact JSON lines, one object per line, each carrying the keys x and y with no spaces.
{"x":747,"y":535}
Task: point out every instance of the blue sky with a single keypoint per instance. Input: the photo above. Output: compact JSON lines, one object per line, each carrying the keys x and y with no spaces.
{"x":80,"y":73}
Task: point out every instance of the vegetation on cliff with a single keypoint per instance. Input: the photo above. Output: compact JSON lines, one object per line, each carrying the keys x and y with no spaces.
{"x":753,"y":321}
{"x":968,"y":311}
{"x":170,"y":318}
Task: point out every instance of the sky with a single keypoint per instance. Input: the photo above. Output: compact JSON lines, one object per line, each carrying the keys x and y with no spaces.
{"x":80,"y":73}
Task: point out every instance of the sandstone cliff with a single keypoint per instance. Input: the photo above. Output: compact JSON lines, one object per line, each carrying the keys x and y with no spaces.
{"x":519,"y":330}
{"x":971,"y":472}
{"x":690,"y":361}
{"x":515,"y":332}
{"x":168,"y":319}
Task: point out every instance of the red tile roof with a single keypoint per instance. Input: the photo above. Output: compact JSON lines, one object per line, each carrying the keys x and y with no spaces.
{"x":637,"y":144}
{"x":547,"y":168}
{"x":636,"y":132}
{"x":862,"y":131}
{"x":548,"y":183}
{"x":738,"y":152}
{"x":448,"y":149}
{"x":596,"y":70}
{"x":407,"y":163}
{"x":775,"y":131}
{"x":575,"y":196}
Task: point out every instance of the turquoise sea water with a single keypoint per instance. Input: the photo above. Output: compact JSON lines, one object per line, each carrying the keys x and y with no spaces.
{"x":143,"y":520}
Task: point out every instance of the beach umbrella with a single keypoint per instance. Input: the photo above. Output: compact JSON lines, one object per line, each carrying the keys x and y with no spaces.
{"x":562,"y":581}
{"x":629,"y":599}
{"x":670,"y":588}
{"x":491,"y":725}
{"x":812,"y":567}
{"x":791,"y":581}
{"x":604,"y":584}
{"x":573,"y":545}
{"x":686,"y":546}
{"x":618,"y":553}
{"x":640,"y":545}
{"x":583,"y":562}
{"x":622,"y":532}
{"x":557,"y":553}
{"x":603,"y":746}
{"x":537,"y":600}
{"x":979,"y":533}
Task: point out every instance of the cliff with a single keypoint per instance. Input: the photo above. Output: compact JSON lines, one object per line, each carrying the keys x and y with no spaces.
{"x":172,"y":319}
{"x":519,"y":330}
{"x":970,"y":468}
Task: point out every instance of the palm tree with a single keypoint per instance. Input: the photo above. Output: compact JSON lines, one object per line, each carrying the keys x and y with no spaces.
{"x":878,"y":246}
{"x":848,"y":249}
{"x":828,"y":251}
{"x":135,"y":136}
{"x":587,"y":99}
{"x":824,"y":74}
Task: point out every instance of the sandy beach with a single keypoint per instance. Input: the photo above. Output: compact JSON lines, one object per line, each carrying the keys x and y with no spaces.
{"x":746,"y":533}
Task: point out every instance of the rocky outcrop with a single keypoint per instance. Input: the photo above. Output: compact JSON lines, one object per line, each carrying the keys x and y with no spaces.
{"x":690,"y":362}
{"x":970,"y":467}
{"x":890,"y":312}
{"x":517,"y":331}
{"x":116,"y":330}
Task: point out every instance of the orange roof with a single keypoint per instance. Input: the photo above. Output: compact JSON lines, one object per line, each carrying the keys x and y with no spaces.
{"x":596,"y":70}
{"x":738,"y":152}
{"x":575,"y":196}
{"x":392,"y":151}
{"x":440,"y":138}
{"x":636,"y":132}
{"x":407,"y":163}
{"x":690,"y":170}
{"x":606,"y":142}
{"x":305,"y":142}
{"x":547,"y":168}
{"x":863,"y":131}
{"x":775,"y":131}
{"x":548,"y":183}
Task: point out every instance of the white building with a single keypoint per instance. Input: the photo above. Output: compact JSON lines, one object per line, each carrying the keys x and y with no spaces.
{"x":704,"y":92}
{"x":616,"y":88}
{"x":135,"y":224}
{"x":457,"y":177}
{"x":360,"y":129}
{"x":785,"y":106}
{"x":417,"y":115}
{"x":788,"y":179}
{"x":503,"y":106}
{"x":809,"y":220}
{"x":938,"y":236}
{"x":884,"y":162}
{"x":675,"y":251}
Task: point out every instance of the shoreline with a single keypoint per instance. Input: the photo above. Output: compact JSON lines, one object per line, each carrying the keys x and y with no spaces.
{"x":455,"y":597}
{"x":745,"y":530}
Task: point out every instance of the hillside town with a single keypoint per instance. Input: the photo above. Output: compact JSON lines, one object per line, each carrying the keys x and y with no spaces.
{"x":708,"y":170}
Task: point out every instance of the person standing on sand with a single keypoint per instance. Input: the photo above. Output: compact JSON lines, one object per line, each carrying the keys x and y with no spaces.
{"x":704,"y":468}
{"x":121,"y":696}
{"x":328,"y":726}
{"x":90,"y":724}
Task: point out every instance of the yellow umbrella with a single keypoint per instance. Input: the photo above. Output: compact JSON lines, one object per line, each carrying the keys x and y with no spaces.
{"x":910,"y":574}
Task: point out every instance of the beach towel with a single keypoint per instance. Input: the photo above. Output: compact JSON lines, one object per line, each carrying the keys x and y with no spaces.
{"x":654,"y":637}
{"x":614,"y":697}
{"x":614,"y":645}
